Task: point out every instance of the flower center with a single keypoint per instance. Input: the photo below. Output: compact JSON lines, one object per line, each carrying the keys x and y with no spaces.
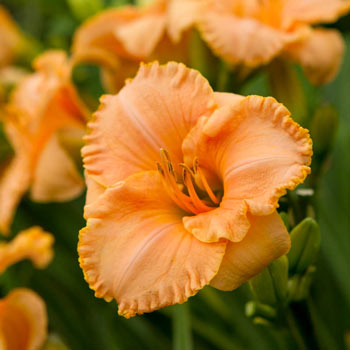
{"x":184,"y":192}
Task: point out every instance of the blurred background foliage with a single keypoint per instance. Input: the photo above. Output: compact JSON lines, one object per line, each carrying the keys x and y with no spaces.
{"x":216,"y":319}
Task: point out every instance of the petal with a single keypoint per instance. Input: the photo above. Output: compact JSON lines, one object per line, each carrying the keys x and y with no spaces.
{"x":155,"y":110}
{"x":56,"y":177}
{"x":14,"y":182}
{"x":181,"y":15}
{"x":320,"y":55}
{"x":23,"y":321}
{"x":134,"y":248}
{"x":33,"y":243}
{"x":314,"y":11}
{"x":133,"y":35}
{"x":242,"y":40}
{"x":95,"y":39}
{"x":258,"y":152}
{"x":266,"y":240}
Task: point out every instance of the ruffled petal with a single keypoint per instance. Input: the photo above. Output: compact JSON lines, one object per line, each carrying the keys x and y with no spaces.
{"x":33,"y":243}
{"x":23,"y":321}
{"x":266,"y":240}
{"x":56,"y":177}
{"x":258,"y":152}
{"x":155,"y":110}
{"x":95,"y":41}
{"x":242,"y":40}
{"x":133,"y":35}
{"x":313,"y":11}
{"x":320,"y":55}
{"x":14,"y":182}
{"x":134,"y":248}
{"x":181,"y":15}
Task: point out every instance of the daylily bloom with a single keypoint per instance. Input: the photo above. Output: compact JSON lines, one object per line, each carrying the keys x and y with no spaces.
{"x":253,"y":32}
{"x":183,"y":186}
{"x":23,"y":320}
{"x":10,"y":38}
{"x":43,"y":108}
{"x":34,"y":244}
{"x":119,"y":39}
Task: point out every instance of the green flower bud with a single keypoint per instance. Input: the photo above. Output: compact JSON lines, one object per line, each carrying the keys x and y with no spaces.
{"x":323,"y":129}
{"x":254,"y":308}
{"x":285,"y":218}
{"x":82,"y":9}
{"x":304,"y":284}
{"x":270,"y":286}
{"x":286,"y":87}
{"x":306,"y":240}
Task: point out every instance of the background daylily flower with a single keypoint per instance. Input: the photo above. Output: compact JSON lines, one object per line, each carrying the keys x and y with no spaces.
{"x":43,"y":106}
{"x":207,"y":215}
{"x":254,"y":32}
{"x":119,"y":39}
{"x":23,"y":320}
{"x":33,"y":243}
{"x":10,"y":38}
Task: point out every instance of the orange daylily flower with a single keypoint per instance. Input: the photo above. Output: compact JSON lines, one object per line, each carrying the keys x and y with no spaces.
{"x":183,"y":186}
{"x":23,"y":321}
{"x":119,"y":39}
{"x":34,"y":244}
{"x":254,"y":32}
{"x":43,"y":107}
{"x":10,"y":38}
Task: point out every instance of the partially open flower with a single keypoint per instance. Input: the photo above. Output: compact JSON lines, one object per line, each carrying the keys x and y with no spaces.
{"x":33,"y":243}
{"x":183,"y":186}
{"x":119,"y":39}
{"x":43,"y":106}
{"x":23,"y":321}
{"x":254,"y":32}
{"x":10,"y":38}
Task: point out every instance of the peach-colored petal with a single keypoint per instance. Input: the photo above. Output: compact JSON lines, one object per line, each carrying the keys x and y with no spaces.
{"x":23,"y":321}
{"x":258,"y":152}
{"x":181,"y":15}
{"x":155,"y":110}
{"x":96,"y":38}
{"x":135,"y":249}
{"x":266,"y":240}
{"x":10,"y":37}
{"x":141,"y":36}
{"x":33,"y":243}
{"x":56,"y":177}
{"x":313,"y":11}
{"x":320,"y":55}
{"x":14,"y":182}
{"x":242,"y":40}
{"x":225,"y":98}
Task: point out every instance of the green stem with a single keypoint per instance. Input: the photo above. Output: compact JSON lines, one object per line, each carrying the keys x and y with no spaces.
{"x":294,"y":330}
{"x":182,"y":336}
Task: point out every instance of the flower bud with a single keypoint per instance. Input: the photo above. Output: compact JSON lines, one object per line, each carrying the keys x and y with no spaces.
{"x":256,"y":309}
{"x":323,"y":129}
{"x":270,"y":286}
{"x":82,"y":9}
{"x":286,"y":88}
{"x":306,"y":240}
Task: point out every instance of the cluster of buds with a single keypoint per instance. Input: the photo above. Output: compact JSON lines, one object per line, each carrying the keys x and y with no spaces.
{"x":288,"y":278}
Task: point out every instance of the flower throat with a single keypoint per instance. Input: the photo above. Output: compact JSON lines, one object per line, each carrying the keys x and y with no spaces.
{"x":185,"y":193}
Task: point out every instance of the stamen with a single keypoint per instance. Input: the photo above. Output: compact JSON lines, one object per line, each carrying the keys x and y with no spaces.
{"x":192,"y":202}
{"x":207,"y":187}
{"x":193,"y":194}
